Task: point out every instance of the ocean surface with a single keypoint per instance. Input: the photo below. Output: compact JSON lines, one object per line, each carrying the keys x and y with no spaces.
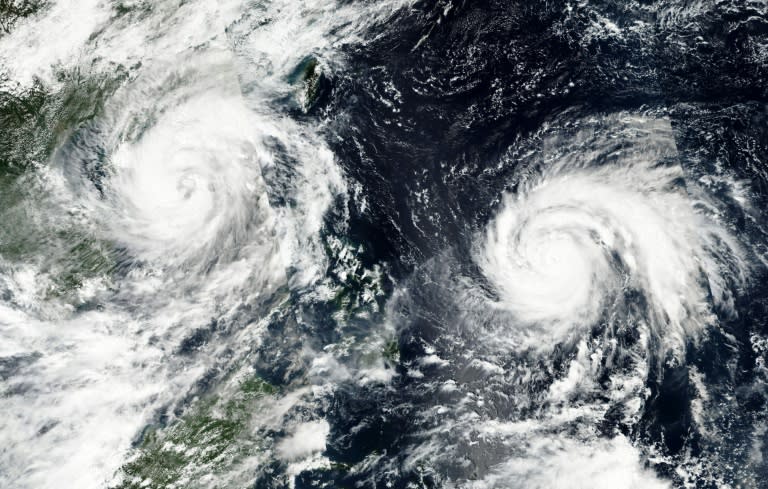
{"x":392,"y":244}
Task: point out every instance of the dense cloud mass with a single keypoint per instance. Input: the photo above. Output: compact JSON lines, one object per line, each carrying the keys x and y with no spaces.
{"x":383,"y":244}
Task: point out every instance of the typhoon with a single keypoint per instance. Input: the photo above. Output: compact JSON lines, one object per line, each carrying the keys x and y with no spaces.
{"x":593,"y":232}
{"x":402,"y":244}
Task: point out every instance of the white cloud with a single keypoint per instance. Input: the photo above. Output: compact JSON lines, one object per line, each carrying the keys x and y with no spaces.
{"x":308,"y":438}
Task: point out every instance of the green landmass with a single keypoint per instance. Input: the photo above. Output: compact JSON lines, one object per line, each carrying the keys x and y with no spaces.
{"x":212,"y":437}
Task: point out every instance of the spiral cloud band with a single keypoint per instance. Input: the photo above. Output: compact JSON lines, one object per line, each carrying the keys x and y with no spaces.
{"x":578,"y":235}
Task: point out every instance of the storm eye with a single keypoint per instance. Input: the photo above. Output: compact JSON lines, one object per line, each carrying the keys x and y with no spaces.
{"x":187,"y":186}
